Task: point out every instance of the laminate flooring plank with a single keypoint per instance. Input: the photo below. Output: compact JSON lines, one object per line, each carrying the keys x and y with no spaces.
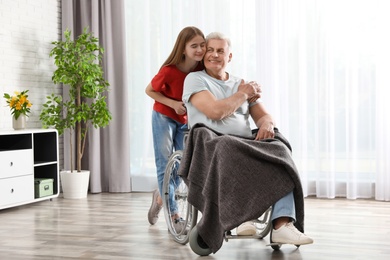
{"x":115,"y":226}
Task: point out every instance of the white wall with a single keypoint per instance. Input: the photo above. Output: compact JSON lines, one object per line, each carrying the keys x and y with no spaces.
{"x":27,"y":28}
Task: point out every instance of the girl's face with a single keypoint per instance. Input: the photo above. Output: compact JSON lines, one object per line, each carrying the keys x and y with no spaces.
{"x":195,"y":48}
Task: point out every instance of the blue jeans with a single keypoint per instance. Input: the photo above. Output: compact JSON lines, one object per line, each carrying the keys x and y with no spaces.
{"x":285,"y":207}
{"x":168,"y":137}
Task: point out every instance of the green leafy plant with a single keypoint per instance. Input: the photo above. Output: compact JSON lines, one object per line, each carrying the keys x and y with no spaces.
{"x":18,"y":104}
{"x":78,"y":66}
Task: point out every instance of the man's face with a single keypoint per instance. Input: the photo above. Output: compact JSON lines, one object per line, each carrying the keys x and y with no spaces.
{"x":217,"y":55}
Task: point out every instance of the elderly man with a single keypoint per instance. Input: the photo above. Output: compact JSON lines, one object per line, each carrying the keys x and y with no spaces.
{"x":224,"y":102}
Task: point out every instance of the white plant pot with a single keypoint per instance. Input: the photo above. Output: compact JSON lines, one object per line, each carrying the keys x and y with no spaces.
{"x":75,"y":184}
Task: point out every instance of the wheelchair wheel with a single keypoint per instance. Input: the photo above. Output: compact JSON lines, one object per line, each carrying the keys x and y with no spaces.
{"x":175,"y":199}
{"x":275,"y":247}
{"x":197,"y":244}
{"x":264,"y":224}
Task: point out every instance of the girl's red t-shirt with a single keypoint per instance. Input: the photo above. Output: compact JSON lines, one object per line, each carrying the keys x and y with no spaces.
{"x":169,"y":82}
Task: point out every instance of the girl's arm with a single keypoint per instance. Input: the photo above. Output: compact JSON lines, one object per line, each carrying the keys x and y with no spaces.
{"x":178,"y":106}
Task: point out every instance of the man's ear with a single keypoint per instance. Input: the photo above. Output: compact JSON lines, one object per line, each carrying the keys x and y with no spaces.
{"x":230,"y":56}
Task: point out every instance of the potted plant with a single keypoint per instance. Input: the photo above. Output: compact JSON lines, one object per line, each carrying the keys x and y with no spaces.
{"x":20,"y":107}
{"x":78,"y":66}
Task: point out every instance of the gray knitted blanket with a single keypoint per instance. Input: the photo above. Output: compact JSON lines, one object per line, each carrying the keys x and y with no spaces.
{"x":232,"y":179}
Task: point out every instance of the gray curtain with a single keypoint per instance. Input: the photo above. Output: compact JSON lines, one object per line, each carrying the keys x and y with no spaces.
{"x":107,"y":152}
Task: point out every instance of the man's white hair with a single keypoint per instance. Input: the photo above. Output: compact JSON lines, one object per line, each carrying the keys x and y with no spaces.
{"x":218,"y":36}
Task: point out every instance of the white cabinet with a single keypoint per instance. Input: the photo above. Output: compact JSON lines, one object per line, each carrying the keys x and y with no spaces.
{"x":16,"y":191}
{"x":26,"y":155}
{"x":16,"y":163}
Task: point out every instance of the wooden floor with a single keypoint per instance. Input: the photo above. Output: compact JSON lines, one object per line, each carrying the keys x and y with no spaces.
{"x":114,"y":226}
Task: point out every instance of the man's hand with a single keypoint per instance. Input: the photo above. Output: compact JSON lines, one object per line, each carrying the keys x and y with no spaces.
{"x":266,"y":130}
{"x":251,"y":89}
{"x":254,"y":98}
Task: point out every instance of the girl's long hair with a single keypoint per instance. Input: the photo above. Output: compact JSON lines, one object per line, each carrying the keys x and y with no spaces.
{"x":177,"y":56}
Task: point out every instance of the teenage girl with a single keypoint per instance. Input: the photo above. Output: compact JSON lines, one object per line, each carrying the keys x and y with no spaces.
{"x":169,"y":115}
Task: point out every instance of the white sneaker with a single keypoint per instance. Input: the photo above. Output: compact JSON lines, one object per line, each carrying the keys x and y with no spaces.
{"x":246,"y":229}
{"x":289,"y":234}
{"x":154,"y":209}
{"x":179,"y":226}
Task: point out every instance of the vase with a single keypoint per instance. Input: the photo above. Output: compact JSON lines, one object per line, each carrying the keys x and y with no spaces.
{"x":20,"y":123}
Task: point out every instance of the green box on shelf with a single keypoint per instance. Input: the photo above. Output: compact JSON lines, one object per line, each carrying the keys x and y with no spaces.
{"x":43,"y":187}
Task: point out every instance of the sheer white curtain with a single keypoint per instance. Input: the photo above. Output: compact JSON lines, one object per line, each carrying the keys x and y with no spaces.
{"x":323,"y":66}
{"x":152,"y":28}
{"x":382,"y":120}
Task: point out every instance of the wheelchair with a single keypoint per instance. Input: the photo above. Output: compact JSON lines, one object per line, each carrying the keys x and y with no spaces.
{"x":175,"y":192}
{"x":175,"y":197}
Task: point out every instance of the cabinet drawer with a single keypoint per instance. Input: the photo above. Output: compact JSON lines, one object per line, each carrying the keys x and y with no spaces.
{"x":16,"y":190}
{"x":16,"y":163}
